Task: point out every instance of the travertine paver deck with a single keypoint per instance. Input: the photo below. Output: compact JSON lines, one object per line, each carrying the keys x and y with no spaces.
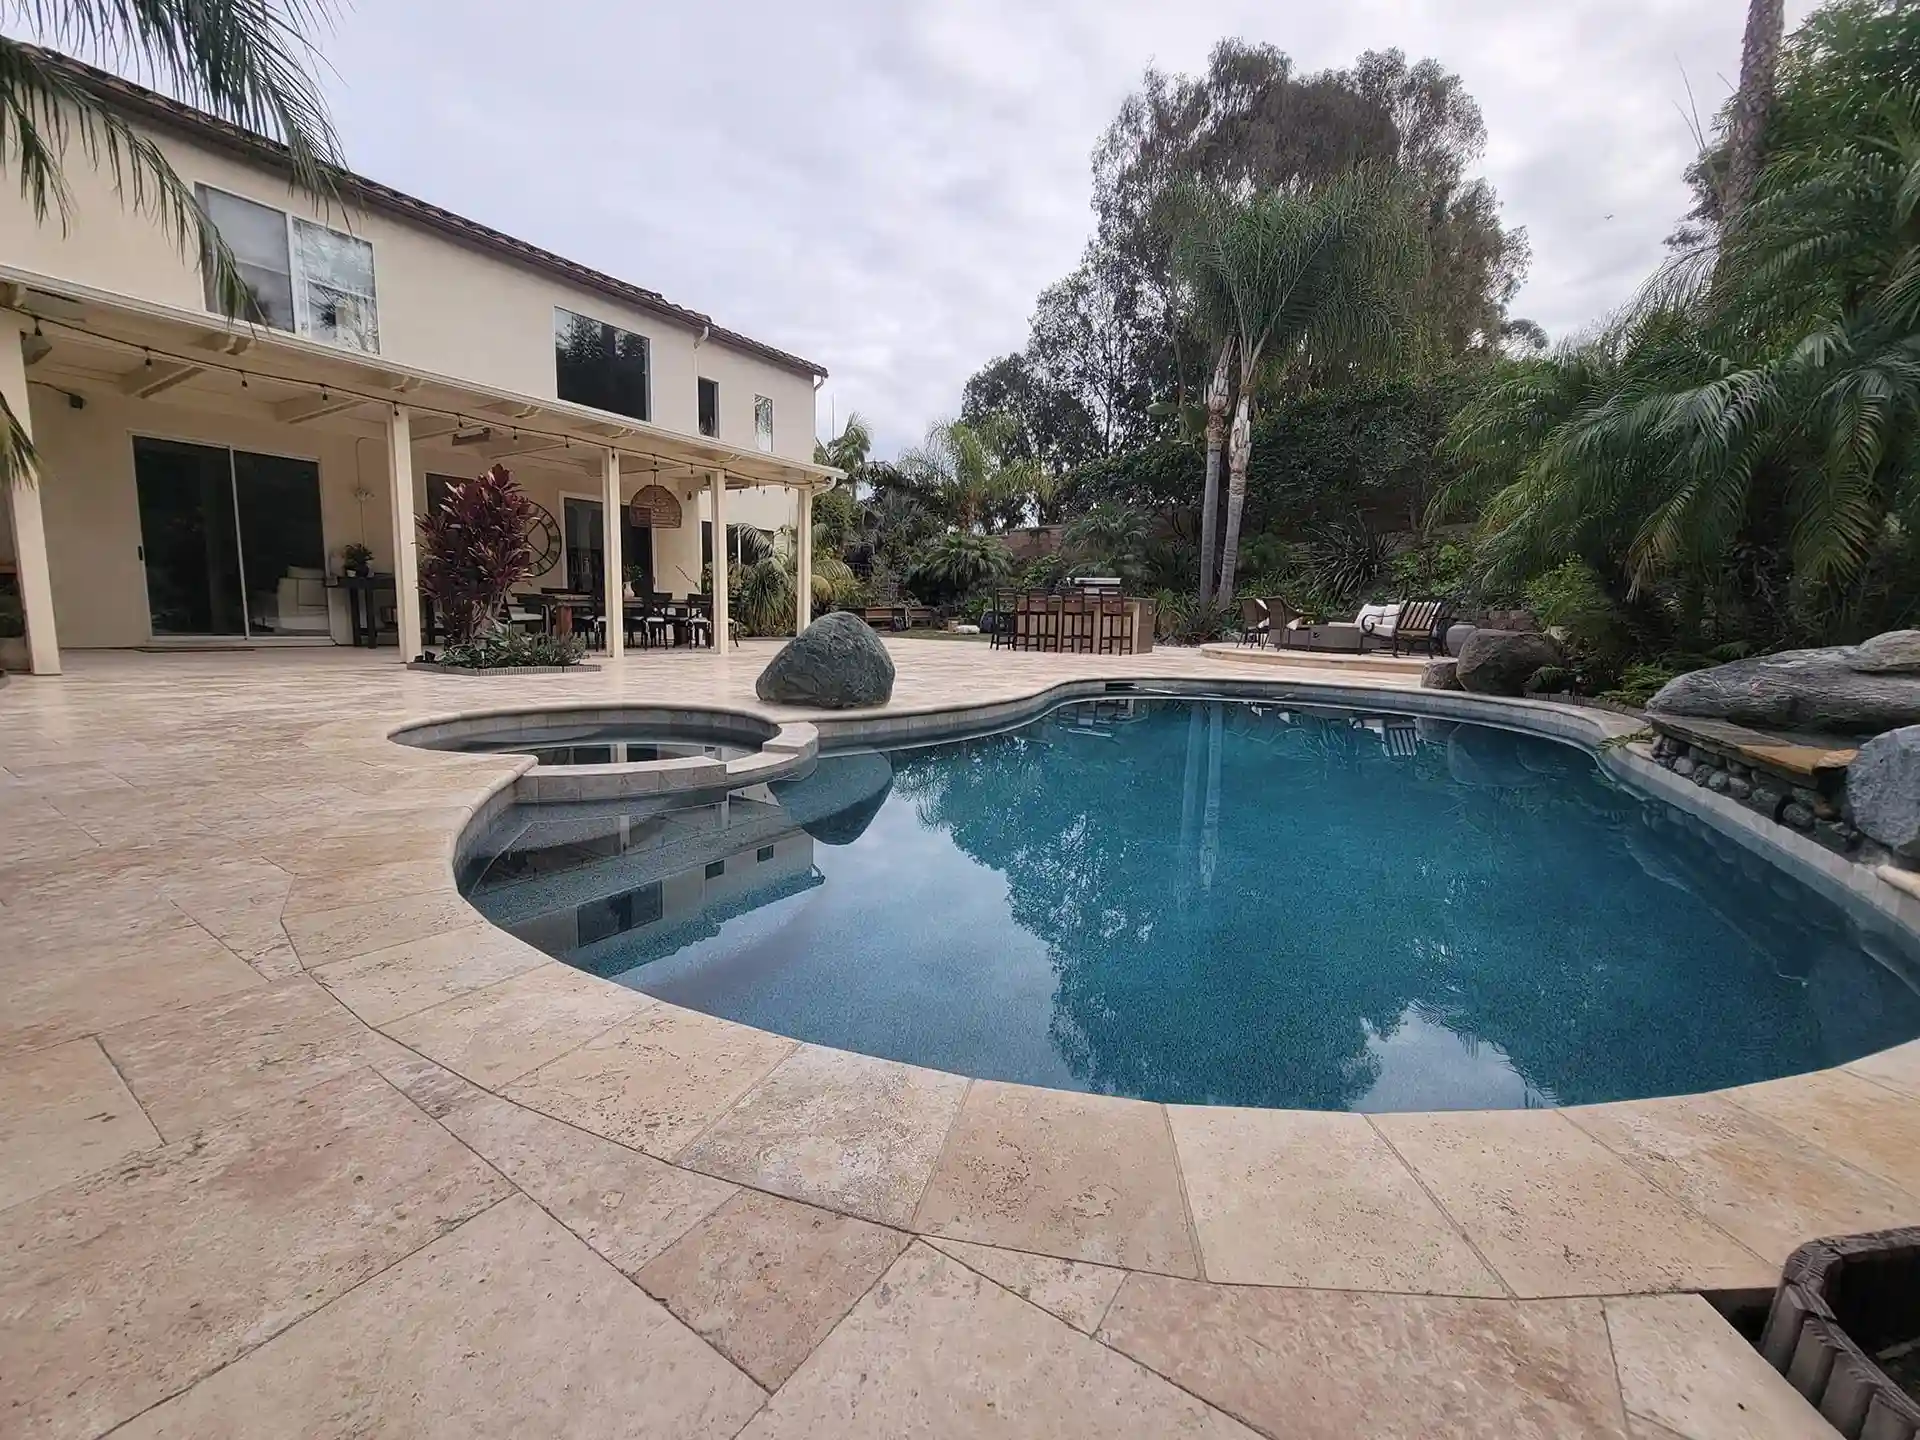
{"x":293,"y":1144}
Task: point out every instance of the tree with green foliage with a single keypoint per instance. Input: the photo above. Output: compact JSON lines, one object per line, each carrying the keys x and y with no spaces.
{"x":246,"y":61}
{"x":955,"y":564}
{"x":1736,"y":457}
{"x":968,"y":473}
{"x":1321,"y":278}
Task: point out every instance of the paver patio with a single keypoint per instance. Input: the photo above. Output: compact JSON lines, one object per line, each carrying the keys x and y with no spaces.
{"x":292,"y":1144}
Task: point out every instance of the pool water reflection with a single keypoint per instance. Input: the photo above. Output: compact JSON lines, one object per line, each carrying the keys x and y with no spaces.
{"x":1222,"y":902}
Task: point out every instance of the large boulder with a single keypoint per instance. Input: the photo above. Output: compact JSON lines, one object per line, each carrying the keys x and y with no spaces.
{"x":836,"y":663}
{"x":838,"y":798}
{"x":1440,"y":675}
{"x":1897,"y":652}
{"x":1883,"y":790}
{"x":1500,"y":662}
{"x":1818,"y":690}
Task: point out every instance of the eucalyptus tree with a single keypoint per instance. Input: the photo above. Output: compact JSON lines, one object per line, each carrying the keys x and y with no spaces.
{"x":1319,"y":278}
{"x":249,"y":62}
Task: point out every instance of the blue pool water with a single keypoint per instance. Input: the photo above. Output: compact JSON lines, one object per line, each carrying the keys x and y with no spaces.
{"x":1225,"y":903}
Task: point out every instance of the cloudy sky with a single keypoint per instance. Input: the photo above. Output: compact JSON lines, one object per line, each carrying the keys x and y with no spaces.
{"x":885,"y":185}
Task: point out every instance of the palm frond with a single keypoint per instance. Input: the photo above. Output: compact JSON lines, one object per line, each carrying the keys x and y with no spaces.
{"x":45,"y":113}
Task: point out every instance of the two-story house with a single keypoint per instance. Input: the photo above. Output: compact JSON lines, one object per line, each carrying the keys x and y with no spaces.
{"x":200,"y":477}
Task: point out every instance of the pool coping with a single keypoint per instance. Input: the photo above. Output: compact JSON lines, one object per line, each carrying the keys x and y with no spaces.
{"x":1520,"y":1153}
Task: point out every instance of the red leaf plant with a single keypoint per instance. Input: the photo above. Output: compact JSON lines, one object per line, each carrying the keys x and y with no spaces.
{"x":475,"y":549}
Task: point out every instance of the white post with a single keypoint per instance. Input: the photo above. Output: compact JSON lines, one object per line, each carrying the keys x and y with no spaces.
{"x":717,"y":502}
{"x":406,"y":534}
{"x":32,"y":571}
{"x":803,"y":565}
{"x":611,"y":531}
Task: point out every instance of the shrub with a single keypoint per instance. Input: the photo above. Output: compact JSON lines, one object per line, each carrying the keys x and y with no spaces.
{"x":1345,"y":559}
{"x":1570,"y":598}
{"x":474,"y":550}
{"x":956,"y":564}
{"x":505,"y":649}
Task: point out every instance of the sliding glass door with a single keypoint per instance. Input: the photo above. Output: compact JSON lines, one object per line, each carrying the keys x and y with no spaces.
{"x":586,"y":547}
{"x":231,"y":540}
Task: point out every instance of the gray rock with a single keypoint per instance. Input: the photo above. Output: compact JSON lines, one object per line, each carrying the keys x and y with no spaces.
{"x":837,"y":663}
{"x":1767,"y":799}
{"x":1841,"y":839}
{"x":1739,"y":787}
{"x":1457,"y":636}
{"x":1897,"y":652}
{"x":1518,"y":621}
{"x":1683,"y":766}
{"x":1440,"y":675}
{"x":1500,"y":662}
{"x":1797,"y":815}
{"x":838,"y":798}
{"x":1718,"y":781}
{"x":1883,"y":790}
{"x":1795,"y":690}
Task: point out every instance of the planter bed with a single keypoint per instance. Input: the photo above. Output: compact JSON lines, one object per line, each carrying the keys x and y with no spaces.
{"x":438,"y":669}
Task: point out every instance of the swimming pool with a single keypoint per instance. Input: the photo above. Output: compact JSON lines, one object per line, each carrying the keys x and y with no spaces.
{"x":1222,"y":902}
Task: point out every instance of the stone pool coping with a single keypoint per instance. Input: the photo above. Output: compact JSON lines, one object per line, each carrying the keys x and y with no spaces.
{"x":1440,"y":1203}
{"x":223,"y":1196}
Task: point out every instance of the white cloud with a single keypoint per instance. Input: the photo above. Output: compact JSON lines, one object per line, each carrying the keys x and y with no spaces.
{"x":884,"y":187}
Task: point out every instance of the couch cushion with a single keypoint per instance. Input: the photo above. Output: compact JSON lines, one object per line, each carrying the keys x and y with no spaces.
{"x":1385,"y":618}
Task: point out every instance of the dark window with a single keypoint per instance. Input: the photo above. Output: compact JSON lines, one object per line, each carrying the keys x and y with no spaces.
{"x":709,"y":406}
{"x":763,"y":854}
{"x":600,"y":365}
{"x":706,"y":542}
{"x":616,"y":914}
{"x":715,"y":869}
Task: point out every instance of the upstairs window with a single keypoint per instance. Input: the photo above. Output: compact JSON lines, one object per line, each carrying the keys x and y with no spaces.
{"x":763,"y":423}
{"x":600,"y":365}
{"x":304,"y":278}
{"x":709,"y":406}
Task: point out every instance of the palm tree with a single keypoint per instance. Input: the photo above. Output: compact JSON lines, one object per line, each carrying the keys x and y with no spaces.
{"x":247,"y":61}
{"x":1325,"y":275}
{"x":1750,"y":437}
{"x":1752,"y":104}
{"x":849,"y":450}
{"x":966,"y":473}
{"x":1192,"y":213}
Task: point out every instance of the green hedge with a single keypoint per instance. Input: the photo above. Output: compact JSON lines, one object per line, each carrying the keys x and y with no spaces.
{"x":1370,"y":450}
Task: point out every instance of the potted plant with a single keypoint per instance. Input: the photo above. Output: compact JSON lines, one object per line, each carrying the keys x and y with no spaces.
{"x":356,"y":559}
{"x":13,"y":634}
{"x":636,"y":575}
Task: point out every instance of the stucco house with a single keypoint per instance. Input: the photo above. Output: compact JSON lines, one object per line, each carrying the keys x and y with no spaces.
{"x":200,"y":476}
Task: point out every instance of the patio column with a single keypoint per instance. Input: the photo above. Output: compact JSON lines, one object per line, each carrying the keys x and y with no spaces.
{"x":406,"y":534}
{"x":803,"y":565}
{"x":32,"y":572}
{"x":611,"y":532}
{"x":717,"y":502}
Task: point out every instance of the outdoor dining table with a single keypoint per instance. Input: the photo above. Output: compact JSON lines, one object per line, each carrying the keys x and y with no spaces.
{"x":559,"y":606}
